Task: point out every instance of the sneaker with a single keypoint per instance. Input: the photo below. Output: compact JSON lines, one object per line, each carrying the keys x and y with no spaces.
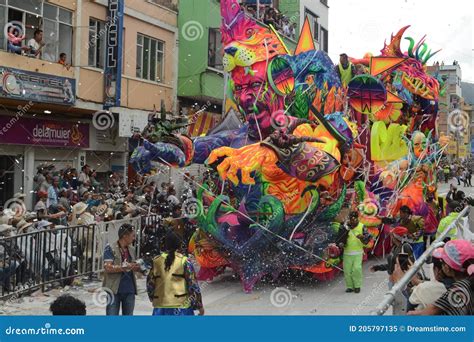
{"x":357,"y":290}
{"x":349,"y":290}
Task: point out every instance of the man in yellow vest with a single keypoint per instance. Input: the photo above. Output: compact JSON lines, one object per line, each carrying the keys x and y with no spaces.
{"x":345,"y":69}
{"x":356,"y":238}
{"x":456,"y":207}
{"x":171,"y":284}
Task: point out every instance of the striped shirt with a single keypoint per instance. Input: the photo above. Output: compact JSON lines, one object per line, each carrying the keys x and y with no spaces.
{"x":458,"y":299}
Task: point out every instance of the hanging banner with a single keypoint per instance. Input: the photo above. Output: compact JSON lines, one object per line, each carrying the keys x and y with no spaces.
{"x":113,"y":53}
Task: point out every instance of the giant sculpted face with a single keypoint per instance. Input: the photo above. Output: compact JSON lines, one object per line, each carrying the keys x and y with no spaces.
{"x":255,"y":98}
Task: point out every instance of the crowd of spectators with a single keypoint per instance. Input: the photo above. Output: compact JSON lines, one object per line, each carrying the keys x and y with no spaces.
{"x":271,"y":16}
{"x":68,"y":198}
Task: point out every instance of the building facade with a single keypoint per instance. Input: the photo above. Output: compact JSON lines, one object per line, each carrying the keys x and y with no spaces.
{"x":317,"y":11}
{"x":451,"y":118}
{"x":47,"y":109}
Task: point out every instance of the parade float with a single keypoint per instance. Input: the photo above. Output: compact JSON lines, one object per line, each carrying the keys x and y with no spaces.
{"x":309,"y":150}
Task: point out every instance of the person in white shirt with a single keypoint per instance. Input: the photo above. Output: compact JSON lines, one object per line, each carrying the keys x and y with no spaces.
{"x":286,"y":28}
{"x":36,"y":44}
{"x":84,"y":178}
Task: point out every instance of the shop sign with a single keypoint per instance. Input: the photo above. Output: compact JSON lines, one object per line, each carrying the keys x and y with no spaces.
{"x":32,"y":131}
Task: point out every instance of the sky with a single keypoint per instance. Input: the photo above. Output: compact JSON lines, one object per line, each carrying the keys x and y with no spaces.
{"x":360,"y":26}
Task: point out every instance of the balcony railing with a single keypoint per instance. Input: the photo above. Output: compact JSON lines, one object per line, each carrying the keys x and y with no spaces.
{"x":171,"y":4}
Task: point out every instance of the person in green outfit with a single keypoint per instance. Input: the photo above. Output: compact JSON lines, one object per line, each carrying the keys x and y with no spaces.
{"x":355,"y":239}
{"x":345,"y":69}
{"x":456,"y":207}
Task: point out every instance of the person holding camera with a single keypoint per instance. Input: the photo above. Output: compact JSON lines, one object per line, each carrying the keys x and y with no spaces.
{"x":415,"y":225}
{"x":354,"y":240}
{"x":119,"y":279}
{"x":402,"y":253}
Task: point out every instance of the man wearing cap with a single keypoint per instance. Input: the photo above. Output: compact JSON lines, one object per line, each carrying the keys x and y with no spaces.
{"x":455,"y":207}
{"x":356,"y":238}
{"x":416,"y":227}
{"x":119,"y":279}
{"x":458,"y":263}
{"x":345,"y":69}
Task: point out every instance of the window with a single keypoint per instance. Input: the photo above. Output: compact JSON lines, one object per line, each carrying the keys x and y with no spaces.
{"x":324,"y":39}
{"x":150,"y":58}
{"x":313,"y":22}
{"x":96,"y":45}
{"x":55,"y":22}
{"x":3,"y":11}
{"x":57,"y":33}
{"x":215,"y":49}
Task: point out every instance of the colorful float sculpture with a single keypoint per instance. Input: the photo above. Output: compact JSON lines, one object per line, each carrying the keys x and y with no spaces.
{"x":308,"y":151}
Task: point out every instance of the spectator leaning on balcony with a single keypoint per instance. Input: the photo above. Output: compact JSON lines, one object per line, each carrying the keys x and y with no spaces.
{"x":14,"y":41}
{"x":63,"y":60}
{"x":36,"y":43}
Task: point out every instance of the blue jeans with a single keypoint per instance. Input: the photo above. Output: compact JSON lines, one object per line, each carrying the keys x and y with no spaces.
{"x":127,"y":300}
{"x":14,"y":48}
{"x":418,"y":249}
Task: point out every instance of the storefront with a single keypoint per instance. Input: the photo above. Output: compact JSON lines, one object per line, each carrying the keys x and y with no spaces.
{"x":27,"y":142}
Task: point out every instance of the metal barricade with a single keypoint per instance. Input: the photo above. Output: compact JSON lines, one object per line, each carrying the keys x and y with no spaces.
{"x":33,"y":260}
{"x":389,"y":297}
